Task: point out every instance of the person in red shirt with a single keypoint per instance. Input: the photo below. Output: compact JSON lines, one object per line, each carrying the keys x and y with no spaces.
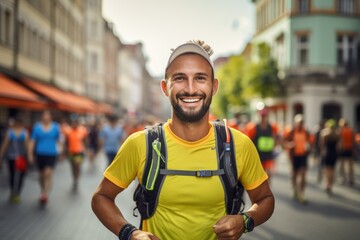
{"x":298,"y":142}
{"x":347,"y":152}
{"x":75,"y":137}
{"x":265,"y":137}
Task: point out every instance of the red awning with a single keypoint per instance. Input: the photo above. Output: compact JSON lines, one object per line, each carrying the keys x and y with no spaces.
{"x":62,"y":100}
{"x":105,"y":108}
{"x":13,"y":94}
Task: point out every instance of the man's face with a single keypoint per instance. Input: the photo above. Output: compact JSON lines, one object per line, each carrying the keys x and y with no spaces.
{"x":190,"y":87}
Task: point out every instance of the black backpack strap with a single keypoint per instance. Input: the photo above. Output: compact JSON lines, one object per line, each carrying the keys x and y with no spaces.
{"x":146,"y":194}
{"x":227,"y":161}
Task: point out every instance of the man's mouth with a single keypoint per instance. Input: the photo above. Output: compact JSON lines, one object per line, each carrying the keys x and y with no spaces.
{"x":190,"y":100}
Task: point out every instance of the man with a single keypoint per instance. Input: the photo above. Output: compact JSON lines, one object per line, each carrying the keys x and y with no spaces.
{"x":264,"y":136}
{"x":111,"y":138}
{"x":188,"y":207}
{"x":75,"y":137}
{"x":347,"y":152}
{"x":297,"y":141}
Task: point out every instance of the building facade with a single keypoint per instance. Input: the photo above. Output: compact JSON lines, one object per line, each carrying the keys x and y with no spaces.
{"x":317,"y":46}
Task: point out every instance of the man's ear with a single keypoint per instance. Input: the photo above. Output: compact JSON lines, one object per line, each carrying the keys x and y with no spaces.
{"x":163,"y":86}
{"x":215,"y":86}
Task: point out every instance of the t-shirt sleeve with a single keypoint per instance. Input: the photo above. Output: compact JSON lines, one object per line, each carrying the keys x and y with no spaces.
{"x":250,"y":171}
{"x":125,"y":167}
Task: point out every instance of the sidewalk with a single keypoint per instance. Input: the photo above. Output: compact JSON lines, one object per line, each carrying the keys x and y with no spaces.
{"x":68,"y":215}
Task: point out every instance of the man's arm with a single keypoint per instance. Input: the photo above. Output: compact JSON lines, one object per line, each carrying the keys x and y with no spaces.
{"x":263,"y":202}
{"x":103,"y":205}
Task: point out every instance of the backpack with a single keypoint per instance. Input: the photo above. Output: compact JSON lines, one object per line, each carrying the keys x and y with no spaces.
{"x":147,"y":193}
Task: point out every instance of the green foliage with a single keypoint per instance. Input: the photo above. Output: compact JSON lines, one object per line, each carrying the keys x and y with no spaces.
{"x":241,"y":80}
{"x":230,"y":86}
{"x":263,"y":75}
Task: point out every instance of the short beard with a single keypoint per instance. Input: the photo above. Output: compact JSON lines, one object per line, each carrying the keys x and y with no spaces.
{"x":191,"y":117}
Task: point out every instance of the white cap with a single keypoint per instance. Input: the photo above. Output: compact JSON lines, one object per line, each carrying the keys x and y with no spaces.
{"x":189,"y":47}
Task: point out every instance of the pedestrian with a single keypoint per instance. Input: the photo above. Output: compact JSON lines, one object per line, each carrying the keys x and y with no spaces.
{"x":329,"y":148}
{"x":111,"y":137}
{"x":93,"y":136}
{"x":15,"y":150}
{"x":188,"y":207}
{"x":75,"y":139}
{"x":265,"y":137}
{"x":347,"y":152}
{"x":297,"y":141}
{"x":45,"y":139}
{"x":317,"y":154}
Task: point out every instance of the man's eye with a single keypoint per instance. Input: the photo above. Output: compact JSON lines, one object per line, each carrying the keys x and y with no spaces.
{"x":201,"y":78}
{"x":179,"y":78}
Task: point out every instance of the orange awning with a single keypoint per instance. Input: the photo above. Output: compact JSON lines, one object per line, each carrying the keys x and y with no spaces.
{"x":62,"y":100}
{"x":13,"y":94}
{"x":105,"y":108}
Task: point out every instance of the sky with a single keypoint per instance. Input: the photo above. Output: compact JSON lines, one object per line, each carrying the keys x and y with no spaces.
{"x":226,"y":25}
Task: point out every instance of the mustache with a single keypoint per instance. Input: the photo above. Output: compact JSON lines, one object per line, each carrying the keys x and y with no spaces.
{"x":200,"y":95}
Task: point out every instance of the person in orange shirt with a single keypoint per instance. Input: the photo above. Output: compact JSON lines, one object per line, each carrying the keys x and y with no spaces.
{"x":347,"y":151}
{"x":298,"y":142}
{"x":265,"y":137}
{"x":75,"y":137}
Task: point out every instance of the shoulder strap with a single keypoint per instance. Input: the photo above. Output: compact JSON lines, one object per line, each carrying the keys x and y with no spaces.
{"x":147,"y":193}
{"x":226,"y":159}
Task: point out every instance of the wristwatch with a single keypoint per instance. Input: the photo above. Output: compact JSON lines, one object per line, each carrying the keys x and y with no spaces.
{"x":248,"y":222}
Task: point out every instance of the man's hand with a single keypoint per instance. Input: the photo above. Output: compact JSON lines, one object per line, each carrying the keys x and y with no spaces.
{"x":141,"y":235}
{"x":230,"y":227}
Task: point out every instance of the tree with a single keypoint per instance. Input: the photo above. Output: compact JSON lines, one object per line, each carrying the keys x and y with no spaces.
{"x":263,"y":75}
{"x":230,"y":77}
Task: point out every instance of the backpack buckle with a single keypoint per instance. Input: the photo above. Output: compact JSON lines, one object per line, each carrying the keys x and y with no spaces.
{"x":204,"y":173}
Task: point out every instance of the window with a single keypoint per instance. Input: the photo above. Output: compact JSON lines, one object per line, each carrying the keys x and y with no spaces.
{"x":346,"y":54}
{"x":303,"y":6}
{"x":302,"y":46}
{"x":93,"y":61}
{"x":7,"y":27}
{"x":346,"y":6}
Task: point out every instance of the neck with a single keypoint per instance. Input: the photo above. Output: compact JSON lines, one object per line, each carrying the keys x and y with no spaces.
{"x":190,"y":131}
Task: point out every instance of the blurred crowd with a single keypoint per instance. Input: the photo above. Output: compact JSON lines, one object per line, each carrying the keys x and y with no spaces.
{"x":334,"y":145}
{"x":74,"y":138}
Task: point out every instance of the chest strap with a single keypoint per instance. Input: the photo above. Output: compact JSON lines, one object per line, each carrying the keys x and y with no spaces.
{"x":199,"y":173}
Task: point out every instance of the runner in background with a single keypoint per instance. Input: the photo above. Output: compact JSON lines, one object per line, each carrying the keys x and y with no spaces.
{"x":45,"y":139}
{"x":75,"y":138}
{"x":111,"y":137}
{"x":93,"y":143}
{"x":297,"y":141}
{"x":15,"y":149}
{"x":329,"y":149}
{"x":265,"y":137}
{"x":347,"y":152}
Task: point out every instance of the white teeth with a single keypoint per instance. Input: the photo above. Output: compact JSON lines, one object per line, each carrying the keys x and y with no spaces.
{"x":190,"y":100}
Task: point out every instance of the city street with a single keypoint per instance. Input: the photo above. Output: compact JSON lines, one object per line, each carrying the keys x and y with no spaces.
{"x":69,"y":216}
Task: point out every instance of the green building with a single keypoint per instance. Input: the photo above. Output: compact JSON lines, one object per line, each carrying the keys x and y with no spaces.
{"x":317,"y":47}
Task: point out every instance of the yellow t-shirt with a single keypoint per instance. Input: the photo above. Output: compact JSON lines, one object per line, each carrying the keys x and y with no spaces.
{"x":188,"y":207}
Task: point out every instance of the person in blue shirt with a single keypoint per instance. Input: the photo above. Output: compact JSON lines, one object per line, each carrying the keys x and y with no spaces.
{"x":111,"y":137}
{"x":44,"y":142}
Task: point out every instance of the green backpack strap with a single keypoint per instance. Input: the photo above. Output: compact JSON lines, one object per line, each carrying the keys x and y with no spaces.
{"x":146,"y":194}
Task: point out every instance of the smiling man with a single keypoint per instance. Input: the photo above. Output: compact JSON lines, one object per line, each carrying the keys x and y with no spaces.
{"x":187,"y":205}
